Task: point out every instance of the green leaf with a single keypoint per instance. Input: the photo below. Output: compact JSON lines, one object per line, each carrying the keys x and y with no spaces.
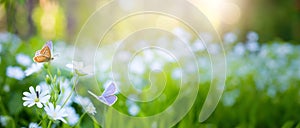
{"x":15,"y":104}
{"x":298,"y":125}
{"x":288,"y":124}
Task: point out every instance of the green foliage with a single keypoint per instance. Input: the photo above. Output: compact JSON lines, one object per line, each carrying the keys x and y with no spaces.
{"x":262,"y":90}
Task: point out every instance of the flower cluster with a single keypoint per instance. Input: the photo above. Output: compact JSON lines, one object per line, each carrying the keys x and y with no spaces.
{"x":53,"y":99}
{"x":55,"y":94}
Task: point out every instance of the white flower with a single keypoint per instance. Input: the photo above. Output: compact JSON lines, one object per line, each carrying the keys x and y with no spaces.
{"x":206,"y":37}
{"x":34,"y":125}
{"x":80,"y":69}
{"x":177,"y":74}
{"x":103,"y":67}
{"x":137,"y":66}
{"x":83,"y":101}
{"x":271,"y":92}
{"x":157,"y":65}
{"x":4,"y":37}
{"x":165,"y":56}
{"x":154,"y":125}
{"x":138,"y":82}
{"x":214,"y":48}
{"x":15,"y":72}
{"x":72,"y":117}
{"x":6,"y":88}
{"x":44,"y":85}
{"x":284,"y":49}
{"x":91,"y":109}
{"x":252,"y":36}
{"x":3,"y":120}
{"x":66,"y":90}
{"x":0,"y":47}
{"x":35,"y":67}
{"x":229,"y":98}
{"x":198,"y":45}
{"x":148,"y":55}
{"x":133,"y":109}
{"x":23,"y":59}
{"x":252,"y":46}
{"x":122,"y":56}
{"x":56,"y":113}
{"x":182,"y":34}
{"x":37,"y":96}
{"x":239,"y":49}
{"x":230,"y":38}
{"x":86,"y":104}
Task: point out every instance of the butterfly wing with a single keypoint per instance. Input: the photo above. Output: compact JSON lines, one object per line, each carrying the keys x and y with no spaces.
{"x":46,"y":51}
{"x":108,"y":100}
{"x":40,"y":59}
{"x":49,"y":44}
{"x":37,"y":53}
{"x":110,"y":90}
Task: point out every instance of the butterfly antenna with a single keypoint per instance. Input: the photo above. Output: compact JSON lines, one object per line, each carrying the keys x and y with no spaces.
{"x":56,"y":55}
{"x":93,"y":94}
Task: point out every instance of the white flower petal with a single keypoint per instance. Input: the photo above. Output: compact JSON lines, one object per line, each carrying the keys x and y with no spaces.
{"x":71,"y":66}
{"x":31,"y":89}
{"x":55,"y":113}
{"x":51,"y":107}
{"x":39,"y":105}
{"x":38,"y":89}
{"x":62,"y":119}
{"x":26,"y":98}
{"x":58,"y":107}
{"x":46,"y":108}
{"x":45,"y":99}
{"x":26,"y":103}
{"x":26,"y":94}
{"x":31,"y":104}
{"x":34,"y":125}
{"x":23,"y":59}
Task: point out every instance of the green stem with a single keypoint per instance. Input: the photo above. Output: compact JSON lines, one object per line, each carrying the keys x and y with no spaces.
{"x":49,"y":125}
{"x":39,"y":124}
{"x":53,"y":83}
{"x":73,"y":89}
{"x":12,"y":121}
{"x":2,"y":107}
{"x":108,"y":114}
{"x":79,"y":121}
{"x":49,"y":72}
{"x":95,"y":123}
{"x":14,"y":125}
{"x":50,"y":75}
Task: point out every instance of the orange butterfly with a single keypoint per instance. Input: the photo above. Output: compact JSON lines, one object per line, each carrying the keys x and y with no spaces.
{"x":44,"y":55}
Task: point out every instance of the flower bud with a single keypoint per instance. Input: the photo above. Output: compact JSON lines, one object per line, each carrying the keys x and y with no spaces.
{"x":58,"y":72}
{"x":58,"y":88}
{"x":46,"y":65}
{"x":48,"y":80}
{"x":54,"y":79}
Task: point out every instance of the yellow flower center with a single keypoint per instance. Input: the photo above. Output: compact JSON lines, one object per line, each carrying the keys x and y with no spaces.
{"x":36,"y":100}
{"x":54,"y":115}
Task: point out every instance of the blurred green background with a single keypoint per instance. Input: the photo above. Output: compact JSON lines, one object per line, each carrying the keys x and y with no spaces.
{"x":270,"y":19}
{"x":262,"y":85}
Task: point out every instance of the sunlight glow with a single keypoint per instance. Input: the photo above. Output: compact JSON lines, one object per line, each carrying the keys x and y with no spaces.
{"x":219,"y":11}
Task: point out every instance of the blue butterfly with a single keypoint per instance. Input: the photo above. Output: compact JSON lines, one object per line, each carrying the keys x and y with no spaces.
{"x":108,"y":96}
